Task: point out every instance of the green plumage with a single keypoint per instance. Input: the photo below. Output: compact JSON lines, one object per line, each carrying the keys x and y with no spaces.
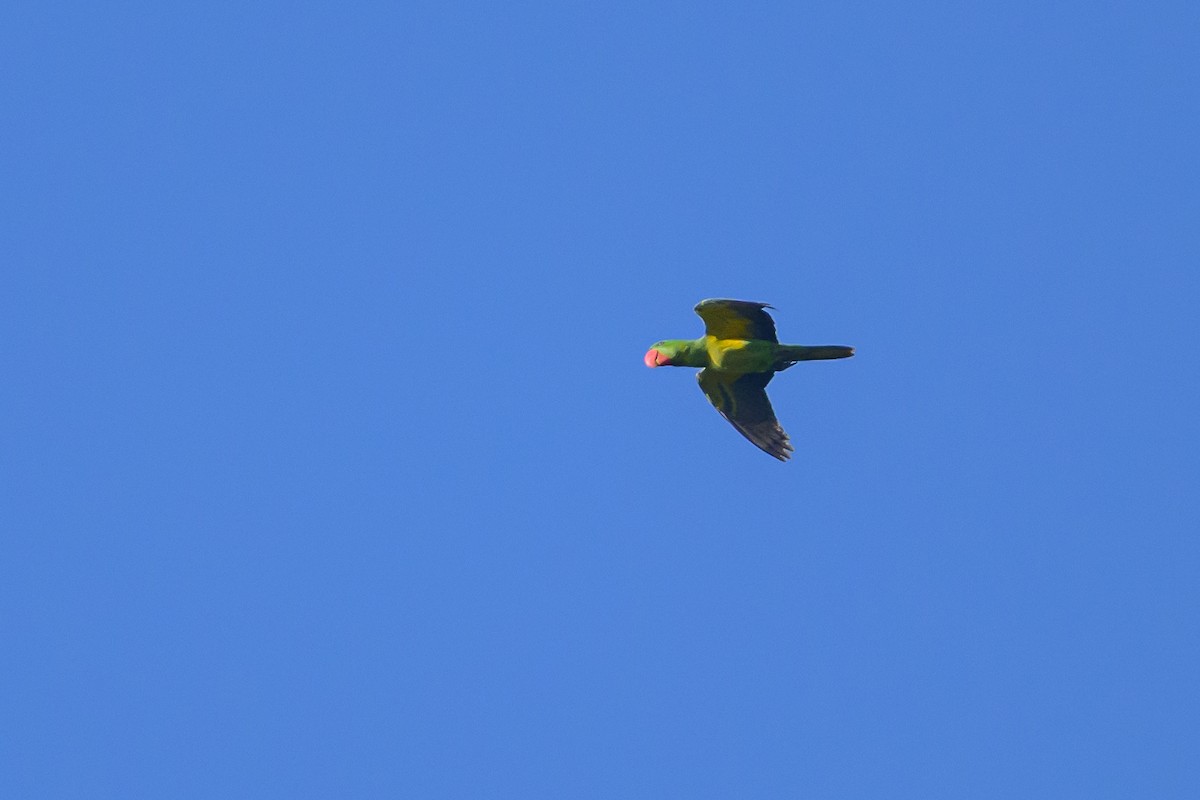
{"x":738,"y":355}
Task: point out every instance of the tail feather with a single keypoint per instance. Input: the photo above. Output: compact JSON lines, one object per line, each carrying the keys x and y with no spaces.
{"x":799,"y":352}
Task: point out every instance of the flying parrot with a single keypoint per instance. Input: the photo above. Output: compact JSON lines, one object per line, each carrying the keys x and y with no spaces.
{"x":738,"y":355}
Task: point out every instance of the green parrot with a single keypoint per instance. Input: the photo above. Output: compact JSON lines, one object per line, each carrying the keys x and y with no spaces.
{"x":739,"y":354}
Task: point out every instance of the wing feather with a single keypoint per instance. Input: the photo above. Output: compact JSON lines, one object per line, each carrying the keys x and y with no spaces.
{"x":736,"y":319}
{"x":742,"y":399}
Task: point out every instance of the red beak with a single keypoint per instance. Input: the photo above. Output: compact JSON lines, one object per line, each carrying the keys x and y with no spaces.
{"x":655,"y":358}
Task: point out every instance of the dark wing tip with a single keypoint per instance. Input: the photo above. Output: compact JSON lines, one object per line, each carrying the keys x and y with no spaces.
{"x":768,"y":437}
{"x":728,"y":303}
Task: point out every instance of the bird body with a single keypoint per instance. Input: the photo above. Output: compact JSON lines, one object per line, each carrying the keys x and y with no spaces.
{"x":738,"y":355}
{"x":725,"y":355}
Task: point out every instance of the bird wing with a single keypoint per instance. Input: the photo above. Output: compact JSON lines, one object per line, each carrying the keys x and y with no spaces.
{"x":736,"y":319}
{"x":742,"y":399}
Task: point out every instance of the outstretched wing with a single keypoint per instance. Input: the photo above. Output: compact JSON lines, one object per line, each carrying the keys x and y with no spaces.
{"x":736,"y":319}
{"x":742,"y":399}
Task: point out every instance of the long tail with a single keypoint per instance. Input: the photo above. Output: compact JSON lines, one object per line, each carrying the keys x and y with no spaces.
{"x":791,"y":353}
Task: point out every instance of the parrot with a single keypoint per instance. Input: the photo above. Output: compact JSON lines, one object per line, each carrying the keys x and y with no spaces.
{"x":738,"y":355}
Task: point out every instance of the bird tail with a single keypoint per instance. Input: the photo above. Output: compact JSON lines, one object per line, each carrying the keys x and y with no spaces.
{"x":799,"y":352}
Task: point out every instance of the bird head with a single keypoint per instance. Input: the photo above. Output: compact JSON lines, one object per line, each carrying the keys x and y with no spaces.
{"x":660,"y":354}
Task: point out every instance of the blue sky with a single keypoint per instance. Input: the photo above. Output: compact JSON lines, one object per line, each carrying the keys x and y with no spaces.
{"x":331,"y":467}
